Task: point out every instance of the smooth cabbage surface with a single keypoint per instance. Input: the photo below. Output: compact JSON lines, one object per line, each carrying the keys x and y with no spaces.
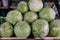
{"x":30,"y":16}
{"x":55,"y":28}
{"x":6,"y":30}
{"x":40,"y":28}
{"x":22,"y":7}
{"x":13,"y":17}
{"x":35,"y":5}
{"x":48,"y":14}
{"x":22,"y":29}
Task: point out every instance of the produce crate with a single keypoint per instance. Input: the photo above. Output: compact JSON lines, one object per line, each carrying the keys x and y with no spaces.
{"x":46,"y":4}
{"x":46,"y":38}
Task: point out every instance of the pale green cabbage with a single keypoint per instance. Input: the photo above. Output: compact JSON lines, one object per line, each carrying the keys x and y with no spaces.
{"x":22,"y":7}
{"x":48,"y":14}
{"x":13,"y":17}
{"x":22,"y":29}
{"x":30,"y":16}
{"x":35,"y":5}
{"x":6,"y":29}
{"x":40,"y":28}
{"x":55,"y":28}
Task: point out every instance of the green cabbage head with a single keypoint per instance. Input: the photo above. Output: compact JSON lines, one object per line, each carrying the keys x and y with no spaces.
{"x":13,"y":17}
{"x":30,"y":16}
{"x":55,"y":28}
{"x":35,"y":5}
{"x":2,"y":20}
{"x":6,"y":29}
{"x":22,"y":7}
{"x":48,"y":14}
{"x":40,"y":28}
{"x":22,"y":29}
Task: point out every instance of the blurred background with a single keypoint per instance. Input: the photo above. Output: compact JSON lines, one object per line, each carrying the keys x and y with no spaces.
{"x":7,"y":5}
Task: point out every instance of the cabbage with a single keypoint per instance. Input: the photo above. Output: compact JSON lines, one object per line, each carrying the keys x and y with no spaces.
{"x":6,"y":29}
{"x":55,"y":31}
{"x":55,"y":23}
{"x":22,"y":7}
{"x":30,"y":16}
{"x":48,"y":14}
{"x":55,"y":28}
{"x":22,"y":29}
{"x":2,"y":20}
{"x":35,"y":5}
{"x":13,"y":17}
{"x":40,"y":28}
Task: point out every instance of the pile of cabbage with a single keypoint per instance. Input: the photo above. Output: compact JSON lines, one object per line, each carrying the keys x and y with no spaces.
{"x":30,"y":17}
